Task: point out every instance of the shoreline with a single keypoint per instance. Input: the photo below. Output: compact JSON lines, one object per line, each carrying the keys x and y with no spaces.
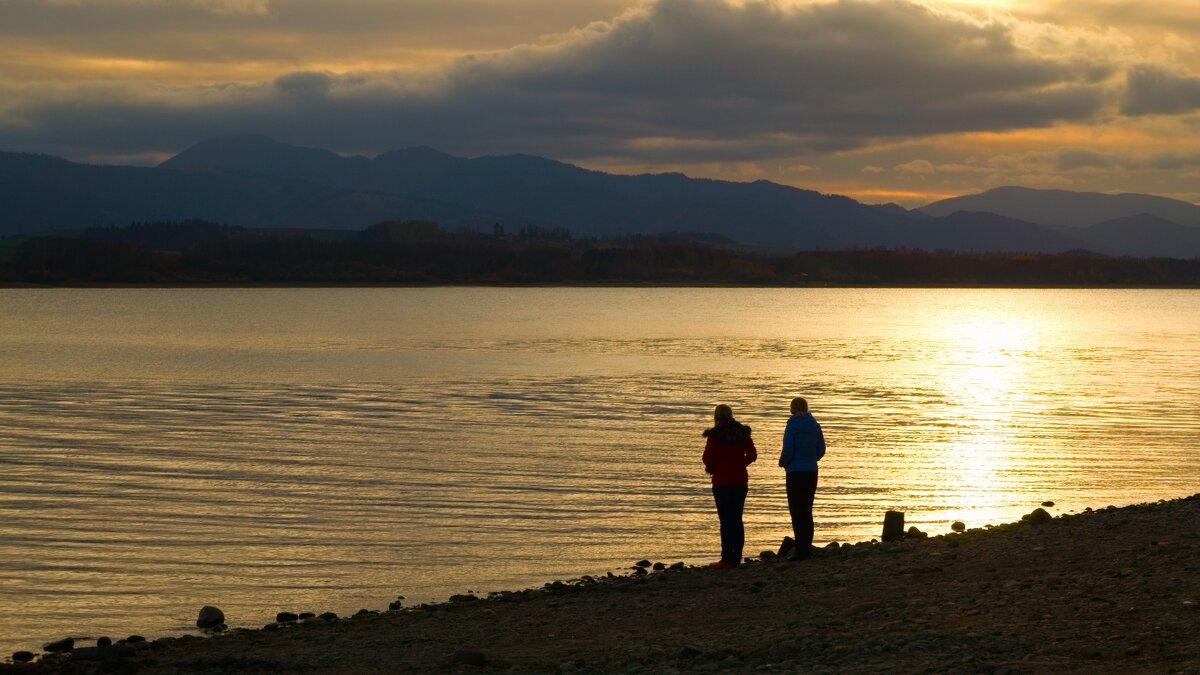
{"x":1109,"y":590}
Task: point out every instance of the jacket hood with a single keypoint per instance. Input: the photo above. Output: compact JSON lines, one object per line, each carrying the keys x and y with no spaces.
{"x":805,"y":421}
{"x":730,"y":431}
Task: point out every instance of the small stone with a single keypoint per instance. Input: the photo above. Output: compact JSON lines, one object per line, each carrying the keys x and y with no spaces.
{"x":134,"y":639}
{"x":658,"y":567}
{"x":1135,"y":650}
{"x":363,"y":612}
{"x":304,"y":616}
{"x":271,"y":626}
{"x":285,"y":617}
{"x":394,"y":606}
{"x":328,"y":616}
{"x":467,"y":657}
{"x":678,"y":565}
{"x":688,"y":652}
{"x":915,"y":533}
{"x":786,"y":546}
{"x":59,"y":646}
{"x":766,"y":555}
{"x":22,"y":657}
{"x":958,"y":526}
{"x":642,"y":563}
{"x":210,"y":616}
{"x":640,"y":570}
{"x":1037,"y":517}
{"x":1047,"y":503}
{"x":103,"y":641}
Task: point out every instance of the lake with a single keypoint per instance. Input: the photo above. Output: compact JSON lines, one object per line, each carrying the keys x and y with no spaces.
{"x":329,"y":449}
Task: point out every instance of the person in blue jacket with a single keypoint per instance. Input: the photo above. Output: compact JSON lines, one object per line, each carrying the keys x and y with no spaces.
{"x":803,"y":447}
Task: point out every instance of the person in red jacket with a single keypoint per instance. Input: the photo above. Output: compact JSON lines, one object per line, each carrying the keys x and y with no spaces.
{"x":727,"y":453}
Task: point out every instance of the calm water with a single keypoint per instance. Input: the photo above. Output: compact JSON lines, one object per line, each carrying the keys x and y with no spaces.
{"x":317,"y":449}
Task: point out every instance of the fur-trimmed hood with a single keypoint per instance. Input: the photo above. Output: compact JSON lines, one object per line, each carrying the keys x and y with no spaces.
{"x":730,"y":431}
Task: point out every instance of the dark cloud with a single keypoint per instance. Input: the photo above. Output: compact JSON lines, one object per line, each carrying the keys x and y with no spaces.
{"x":684,"y":80}
{"x":1154,"y":90}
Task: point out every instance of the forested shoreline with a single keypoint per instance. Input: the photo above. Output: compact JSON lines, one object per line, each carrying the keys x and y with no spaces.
{"x":419,"y":252}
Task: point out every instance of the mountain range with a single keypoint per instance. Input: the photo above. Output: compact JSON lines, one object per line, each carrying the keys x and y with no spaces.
{"x":254,"y":181}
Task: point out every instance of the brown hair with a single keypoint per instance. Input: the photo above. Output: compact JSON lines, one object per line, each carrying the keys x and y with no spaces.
{"x":723,"y":413}
{"x":799,"y":406}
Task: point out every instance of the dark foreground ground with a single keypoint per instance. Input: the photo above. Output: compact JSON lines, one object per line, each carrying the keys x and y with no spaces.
{"x":1111,"y":591}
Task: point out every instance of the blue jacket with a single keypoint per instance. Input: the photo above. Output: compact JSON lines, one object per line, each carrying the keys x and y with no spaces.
{"x":803,"y":444}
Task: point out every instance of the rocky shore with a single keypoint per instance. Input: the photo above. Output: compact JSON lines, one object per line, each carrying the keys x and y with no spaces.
{"x":1116,"y":590}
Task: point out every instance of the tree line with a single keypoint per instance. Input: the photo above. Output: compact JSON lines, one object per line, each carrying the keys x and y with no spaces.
{"x":420,"y":252}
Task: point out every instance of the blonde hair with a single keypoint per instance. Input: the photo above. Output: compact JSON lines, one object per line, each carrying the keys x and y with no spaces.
{"x":799,"y":406}
{"x":723,"y":413}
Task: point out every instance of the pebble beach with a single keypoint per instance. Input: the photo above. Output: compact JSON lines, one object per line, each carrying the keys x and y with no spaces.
{"x":1111,"y":590}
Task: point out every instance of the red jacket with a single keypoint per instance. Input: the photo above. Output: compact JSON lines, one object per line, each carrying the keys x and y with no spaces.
{"x":727,"y":453}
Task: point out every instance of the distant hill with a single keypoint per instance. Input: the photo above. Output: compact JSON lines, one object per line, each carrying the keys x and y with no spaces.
{"x":40,"y":193}
{"x":257,"y":182}
{"x":1145,"y":235}
{"x":1062,"y":207}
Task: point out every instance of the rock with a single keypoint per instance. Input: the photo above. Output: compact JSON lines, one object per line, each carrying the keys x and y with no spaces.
{"x":328,"y":616}
{"x":658,"y":567}
{"x":468,"y":657}
{"x":210,"y":616}
{"x":1037,"y":517}
{"x":786,"y":546}
{"x":688,"y":652}
{"x":109,"y":653}
{"x":958,"y":526}
{"x":22,"y":657}
{"x":766,"y":555}
{"x":304,"y":616}
{"x":642,"y":563}
{"x":103,"y":641}
{"x":678,"y":565}
{"x":363,"y":612}
{"x":893,"y":526}
{"x":59,"y":646}
{"x":640,"y":570}
{"x":394,"y":606}
{"x":915,"y":533}
{"x":285,"y":617}
{"x":1047,"y":504}
{"x":134,"y":639}
{"x":472,"y":598}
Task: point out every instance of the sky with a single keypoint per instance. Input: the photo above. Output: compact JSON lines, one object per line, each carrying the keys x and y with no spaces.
{"x":882,"y":100}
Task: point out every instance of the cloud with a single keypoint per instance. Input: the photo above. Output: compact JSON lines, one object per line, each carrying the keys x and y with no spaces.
{"x":259,"y":7}
{"x":919,"y":167}
{"x":1155,"y":90}
{"x":679,"y":80}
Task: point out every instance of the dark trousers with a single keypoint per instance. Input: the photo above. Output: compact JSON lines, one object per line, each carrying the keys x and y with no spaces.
{"x":801,"y":490}
{"x":731,"y":501}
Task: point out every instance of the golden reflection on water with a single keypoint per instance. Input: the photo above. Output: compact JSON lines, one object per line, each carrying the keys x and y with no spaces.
{"x":327,"y":448}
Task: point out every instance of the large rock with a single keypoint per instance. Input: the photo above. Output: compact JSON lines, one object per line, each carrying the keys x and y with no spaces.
{"x":210,"y":617}
{"x":893,"y":526}
{"x":958,"y":526}
{"x":286,"y":617}
{"x":1037,"y":516}
{"x":22,"y":657}
{"x":59,"y":646}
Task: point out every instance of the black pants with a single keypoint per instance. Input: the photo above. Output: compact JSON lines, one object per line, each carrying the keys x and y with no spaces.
{"x":801,"y":490}
{"x":731,"y":501}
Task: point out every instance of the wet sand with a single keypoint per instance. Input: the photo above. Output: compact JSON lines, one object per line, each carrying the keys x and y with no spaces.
{"x":1108,"y":591}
